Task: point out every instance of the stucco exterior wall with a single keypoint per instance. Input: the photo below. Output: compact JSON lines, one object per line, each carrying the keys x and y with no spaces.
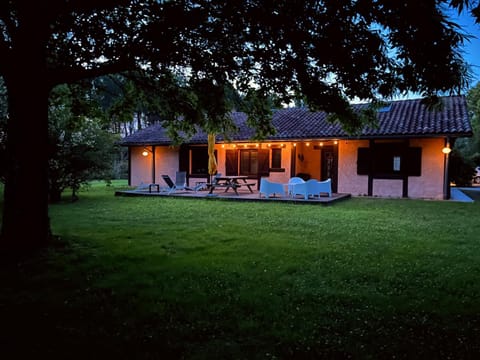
{"x":140,"y":166}
{"x":429,"y":185}
{"x":308,"y":159}
{"x":348,"y":180}
{"x":282,"y":177}
{"x":166,"y":162}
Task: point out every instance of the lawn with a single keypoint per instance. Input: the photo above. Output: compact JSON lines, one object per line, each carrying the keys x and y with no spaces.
{"x":151,"y":278}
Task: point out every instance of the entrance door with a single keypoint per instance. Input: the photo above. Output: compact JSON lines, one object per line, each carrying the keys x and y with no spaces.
{"x":329,"y":165}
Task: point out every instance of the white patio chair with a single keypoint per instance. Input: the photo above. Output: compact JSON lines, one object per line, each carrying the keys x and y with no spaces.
{"x":270,"y":188}
{"x":292,"y":186}
{"x":315,"y":187}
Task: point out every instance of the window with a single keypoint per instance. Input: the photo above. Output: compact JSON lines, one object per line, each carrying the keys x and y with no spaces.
{"x":389,"y":160}
{"x":276,"y":158}
{"x":199,"y":156}
{"x":248,"y":162}
{"x":396,"y":163}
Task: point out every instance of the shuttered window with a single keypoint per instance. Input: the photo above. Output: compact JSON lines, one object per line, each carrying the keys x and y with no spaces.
{"x":276,"y":158}
{"x":199,"y":161}
{"x":248,"y":162}
{"x":231,"y":163}
{"x":389,"y":160}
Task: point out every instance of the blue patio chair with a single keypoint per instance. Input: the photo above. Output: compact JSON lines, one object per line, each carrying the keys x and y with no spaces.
{"x":315,"y":187}
{"x":270,"y":188}
{"x":293,"y":189}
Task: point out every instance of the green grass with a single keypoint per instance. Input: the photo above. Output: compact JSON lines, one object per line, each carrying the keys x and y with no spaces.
{"x":150,"y":278}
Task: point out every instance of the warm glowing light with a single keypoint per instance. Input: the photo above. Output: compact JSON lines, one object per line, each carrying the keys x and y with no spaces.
{"x":308,"y":144}
{"x":335,"y":142}
{"x":321,"y":144}
{"x":145,"y":153}
{"x":234,"y":145}
{"x":294,"y":144}
{"x":446,"y":150}
{"x":282,"y":145}
{"x":257,"y":145}
{"x":223,"y":145}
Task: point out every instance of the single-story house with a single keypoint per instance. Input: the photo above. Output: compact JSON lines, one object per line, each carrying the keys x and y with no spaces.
{"x":406,"y":155}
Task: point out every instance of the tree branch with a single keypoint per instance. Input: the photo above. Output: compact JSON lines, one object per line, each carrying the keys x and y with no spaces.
{"x":77,"y":73}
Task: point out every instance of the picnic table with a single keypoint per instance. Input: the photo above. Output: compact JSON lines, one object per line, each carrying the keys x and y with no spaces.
{"x":231,"y":182}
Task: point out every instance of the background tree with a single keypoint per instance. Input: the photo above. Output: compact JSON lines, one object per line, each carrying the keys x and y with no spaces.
{"x":466,"y":155}
{"x":3,"y":127}
{"x":324,"y":53}
{"x":473,"y":100}
{"x":81,"y":146}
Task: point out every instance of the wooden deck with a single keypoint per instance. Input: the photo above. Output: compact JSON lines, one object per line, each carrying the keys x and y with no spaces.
{"x":243,"y":195}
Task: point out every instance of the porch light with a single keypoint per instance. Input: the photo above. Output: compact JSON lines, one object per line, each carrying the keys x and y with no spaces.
{"x":446,"y":150}
{"x":308,"y":144}
{"x":335,"y":142}
{"x":321,"y":143}
{"x":145,"y":152}
{"x":294,"y":144}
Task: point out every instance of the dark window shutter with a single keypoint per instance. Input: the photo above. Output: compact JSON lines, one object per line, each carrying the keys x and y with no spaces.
{"x":199,"y":160}
{"x":414,"y":161}
{"x":363,"y":161}
{"x":183,"y":159}
{"x":276,"y":158}
{"x":231,"y":163}
{"x":263,"y":162}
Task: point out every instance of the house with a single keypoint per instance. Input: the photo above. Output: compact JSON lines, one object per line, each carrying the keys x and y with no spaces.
{"x":406,"y":155}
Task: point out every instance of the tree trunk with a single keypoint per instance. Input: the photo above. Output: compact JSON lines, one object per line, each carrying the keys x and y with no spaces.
{"x":26,"y":225}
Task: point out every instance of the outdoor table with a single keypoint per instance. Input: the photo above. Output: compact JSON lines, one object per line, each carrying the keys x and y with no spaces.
{"x":233,"y":182}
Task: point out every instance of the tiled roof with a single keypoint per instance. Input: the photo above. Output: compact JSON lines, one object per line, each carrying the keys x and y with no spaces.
{"x":405,"y":118}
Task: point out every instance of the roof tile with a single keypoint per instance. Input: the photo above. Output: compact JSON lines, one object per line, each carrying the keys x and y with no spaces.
{"x":406,"y":118}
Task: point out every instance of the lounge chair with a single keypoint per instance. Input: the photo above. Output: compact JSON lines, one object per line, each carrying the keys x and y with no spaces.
{"x":270,"y":188}
{"x":180,"y":182}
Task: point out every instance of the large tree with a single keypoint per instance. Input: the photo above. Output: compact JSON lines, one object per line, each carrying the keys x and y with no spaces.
{"x":325,"y":52}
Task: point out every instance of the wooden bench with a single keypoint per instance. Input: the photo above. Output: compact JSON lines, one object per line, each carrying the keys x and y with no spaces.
{"x":224,"y":186}
{"x":249,"y":185}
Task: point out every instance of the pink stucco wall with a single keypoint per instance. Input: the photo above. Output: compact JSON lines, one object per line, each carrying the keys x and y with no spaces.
{"x":429,"y":185}
{"x":348,"y":180}
{"x":308,"y":159}
{"x":166,"y":162}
